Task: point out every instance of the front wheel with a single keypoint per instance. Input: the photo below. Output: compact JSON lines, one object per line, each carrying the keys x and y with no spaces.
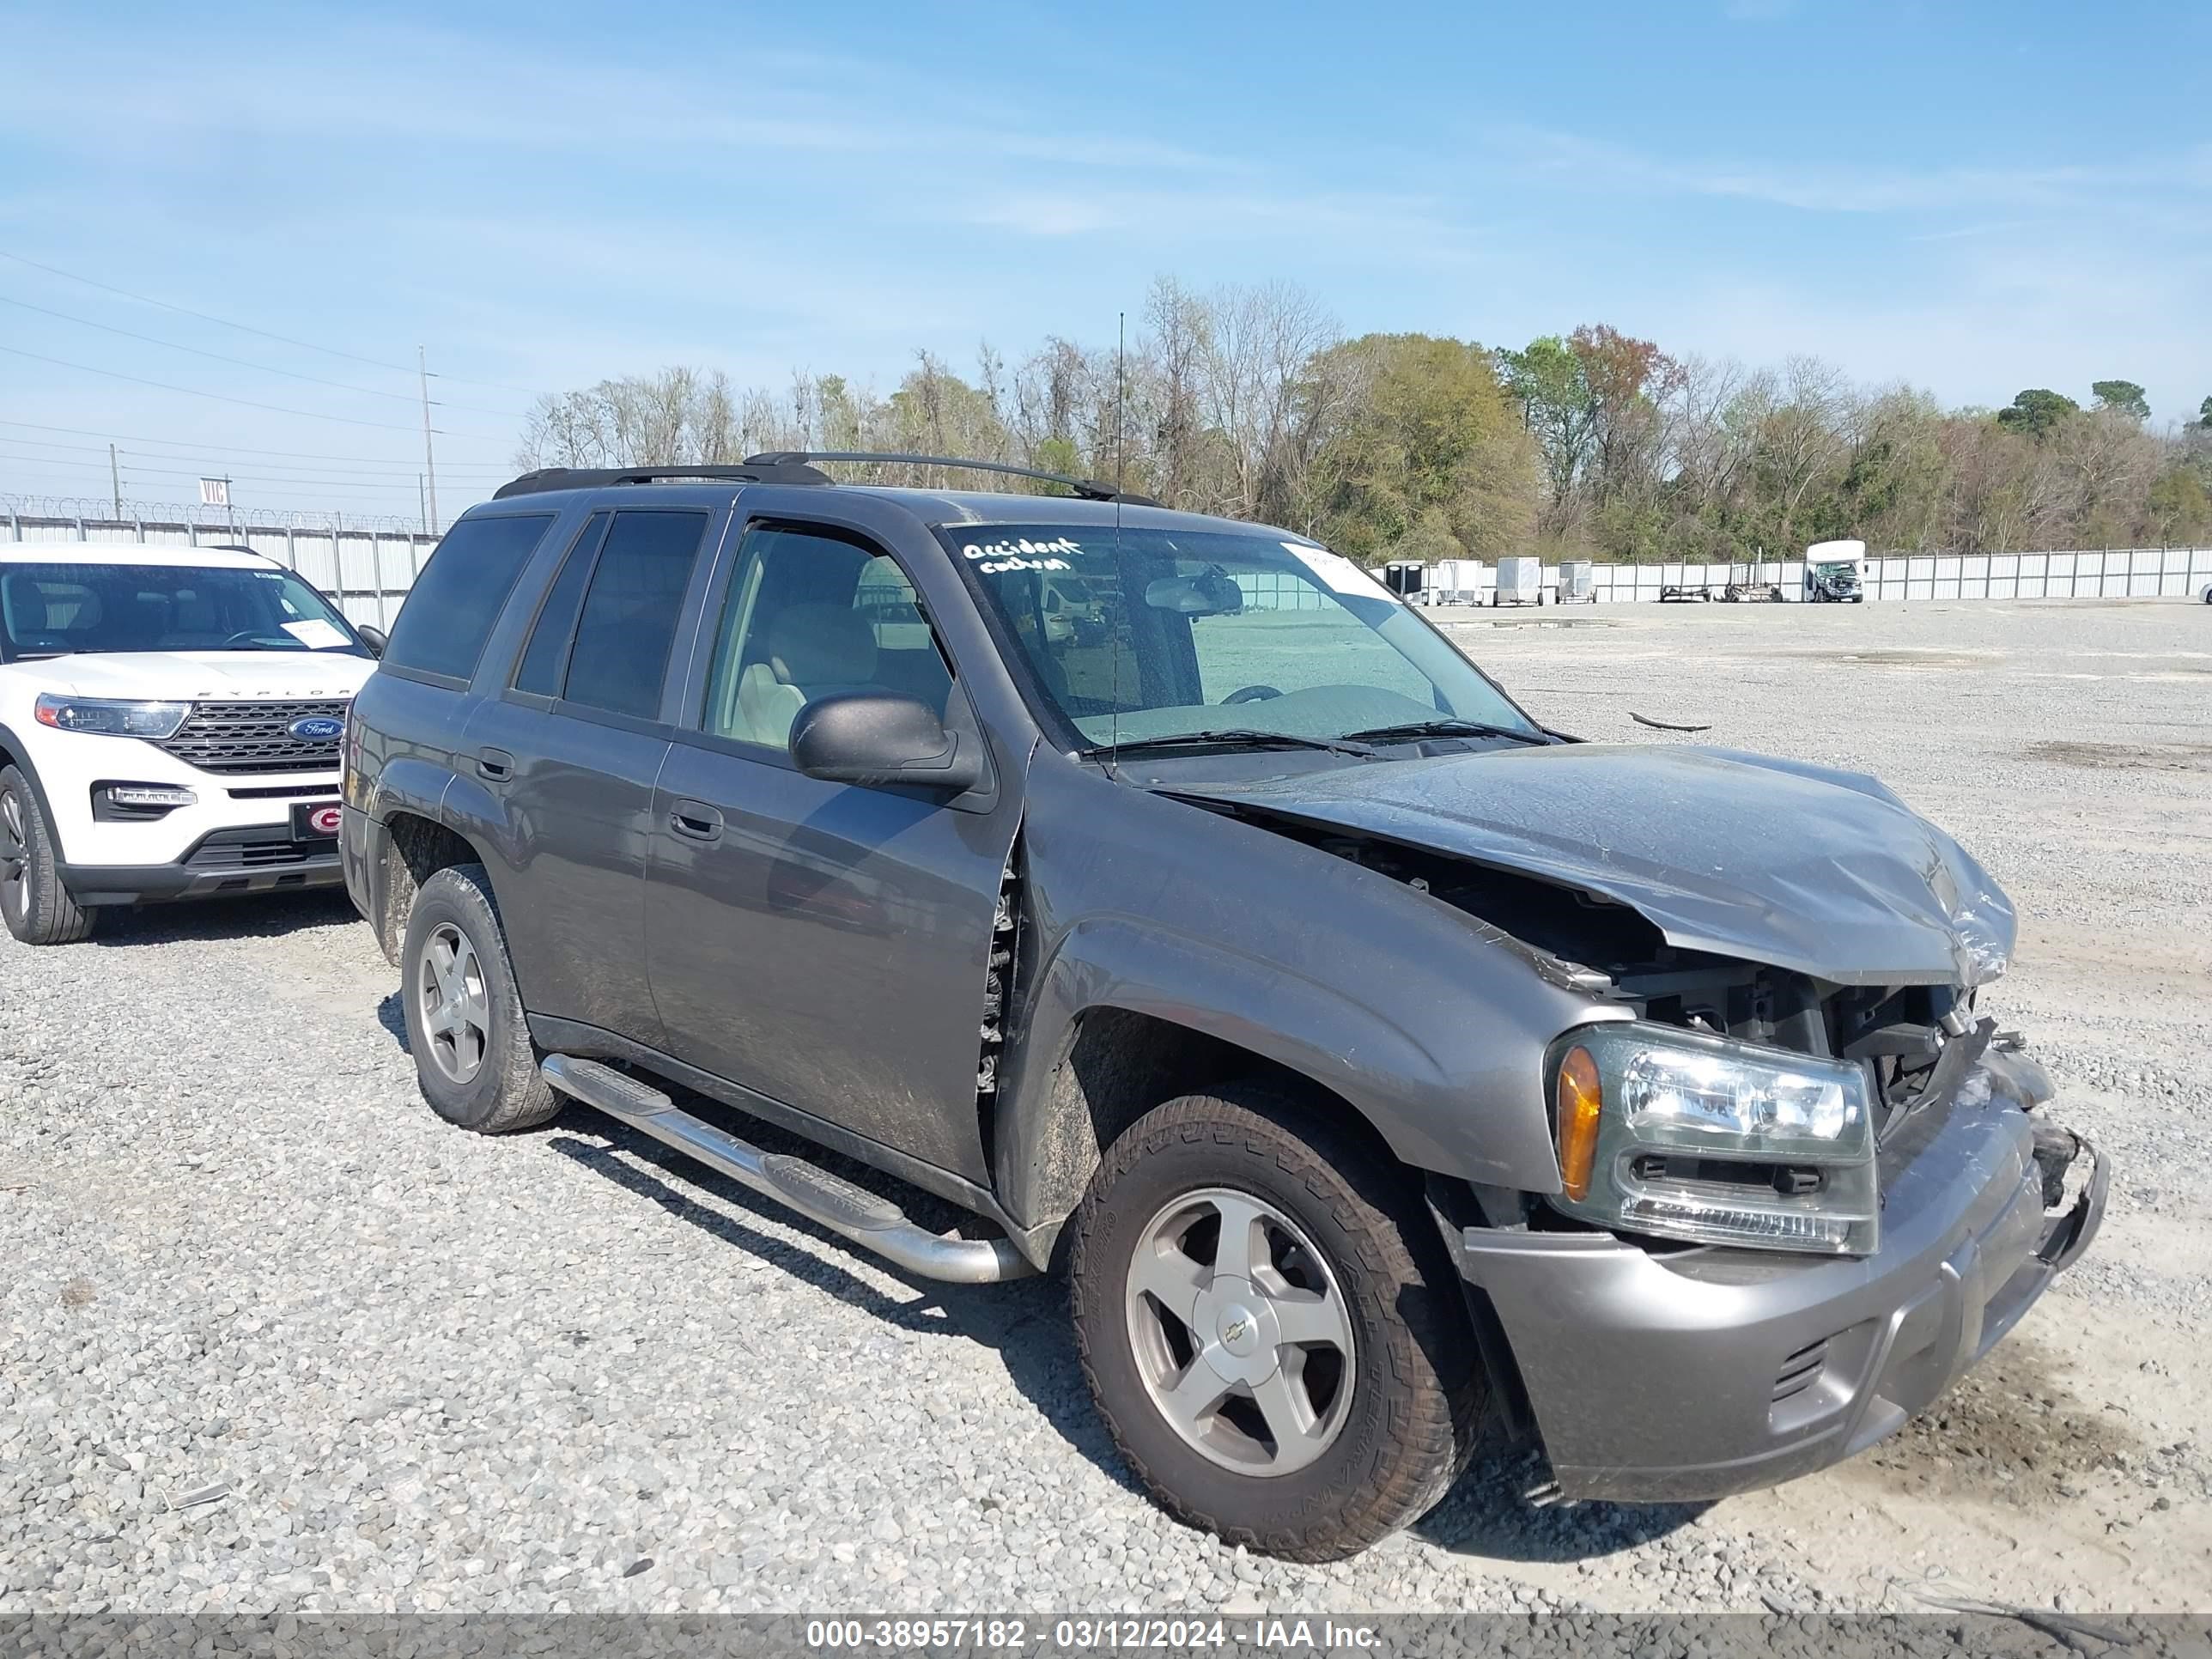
{"x":35,"y":906}
{"x":1270,"y":1328}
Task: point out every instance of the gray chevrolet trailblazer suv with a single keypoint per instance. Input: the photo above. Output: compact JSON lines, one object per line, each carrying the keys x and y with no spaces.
{"x":1373,"y":1062}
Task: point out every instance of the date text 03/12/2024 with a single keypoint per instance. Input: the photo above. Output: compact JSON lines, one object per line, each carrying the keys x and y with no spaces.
{"x":1116,"y":1633}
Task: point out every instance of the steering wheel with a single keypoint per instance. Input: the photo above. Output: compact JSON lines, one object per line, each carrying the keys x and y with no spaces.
{"x":1252,"y":694}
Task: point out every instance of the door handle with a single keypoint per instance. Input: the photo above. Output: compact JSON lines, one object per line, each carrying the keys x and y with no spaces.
{"x":695,"y":820}
{"x":496,"y":764}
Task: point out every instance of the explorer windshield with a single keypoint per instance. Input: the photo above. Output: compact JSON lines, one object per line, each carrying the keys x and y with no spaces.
{"x":1182,"y":632}
{"x":57,"y":609}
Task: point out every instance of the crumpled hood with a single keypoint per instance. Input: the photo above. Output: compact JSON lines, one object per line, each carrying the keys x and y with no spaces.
{"x":178,"y":676}
{"x":1815,"y":871}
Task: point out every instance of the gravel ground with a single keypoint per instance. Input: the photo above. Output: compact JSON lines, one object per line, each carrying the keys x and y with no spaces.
{"x":274,"y":1339}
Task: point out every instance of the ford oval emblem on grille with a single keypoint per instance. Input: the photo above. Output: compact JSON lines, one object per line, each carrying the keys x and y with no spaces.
{"x":316,"y":728}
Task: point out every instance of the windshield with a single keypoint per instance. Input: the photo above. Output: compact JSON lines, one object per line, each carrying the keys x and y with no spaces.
{"x":56,"y":610}
{"x":1163,"y":633}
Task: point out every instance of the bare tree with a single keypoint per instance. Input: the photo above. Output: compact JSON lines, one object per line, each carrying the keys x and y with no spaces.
{"x":1251,"y":365}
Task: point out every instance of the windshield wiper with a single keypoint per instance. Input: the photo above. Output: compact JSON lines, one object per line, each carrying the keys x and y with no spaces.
{"x":1234,"y":738}
{"x":1444,"y":728}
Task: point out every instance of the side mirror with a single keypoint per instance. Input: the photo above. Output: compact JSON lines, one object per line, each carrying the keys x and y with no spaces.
{"x":875,"y":738}
{"x":371,"y":636}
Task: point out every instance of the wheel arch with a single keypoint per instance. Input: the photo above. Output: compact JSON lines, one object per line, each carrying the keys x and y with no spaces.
{"x":414,"y":847}
{"x":1114,"y":1064}
{"x":15,"y":752}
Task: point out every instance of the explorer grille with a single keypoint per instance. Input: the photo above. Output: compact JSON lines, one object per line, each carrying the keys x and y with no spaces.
{"x":251,"y":736}
{"x":249,"y":848}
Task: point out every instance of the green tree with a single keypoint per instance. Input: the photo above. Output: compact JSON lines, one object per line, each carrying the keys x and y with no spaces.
{"x":1426,"y":458}
{"x":2124,"y":396}
{"x":1550,"y":382}
{"x":2036,"y":411}
{"x":2205,"y":409}
{"x":2179,"y":508}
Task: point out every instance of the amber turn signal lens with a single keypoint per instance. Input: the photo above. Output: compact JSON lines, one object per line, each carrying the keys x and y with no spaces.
{"x":1580,"y":1098}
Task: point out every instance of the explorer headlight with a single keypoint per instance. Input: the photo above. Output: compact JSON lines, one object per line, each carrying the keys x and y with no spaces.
{"x":110,"y":717}
{"x":1687,"y":1135}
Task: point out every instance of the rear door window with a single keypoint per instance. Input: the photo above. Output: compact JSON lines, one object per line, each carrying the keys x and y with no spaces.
{"x":627,"y":627}
{"x":449,"y":612}
{"x":545,"y":659}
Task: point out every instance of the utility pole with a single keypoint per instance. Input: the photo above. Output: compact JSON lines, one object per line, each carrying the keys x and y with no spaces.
{"x":421,"y":511}
{"x":115,"y":482}
{"x":429,"y":462}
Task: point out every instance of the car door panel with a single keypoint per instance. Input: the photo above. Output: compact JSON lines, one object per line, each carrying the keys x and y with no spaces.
{"x":828,"y":947}
{"x":576,"y":809}
{"x":824,"y":945}
{"x":570,"y":753}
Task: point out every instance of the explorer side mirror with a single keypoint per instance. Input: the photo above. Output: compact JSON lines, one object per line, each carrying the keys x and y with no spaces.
{"x":874,"y":738}
{"x":371,"y":636}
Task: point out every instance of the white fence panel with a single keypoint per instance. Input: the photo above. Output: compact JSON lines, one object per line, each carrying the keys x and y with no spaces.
{"x":367,"y":571}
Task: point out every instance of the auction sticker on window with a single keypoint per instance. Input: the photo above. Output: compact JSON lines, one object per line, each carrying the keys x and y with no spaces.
{"x":1337,"y":572}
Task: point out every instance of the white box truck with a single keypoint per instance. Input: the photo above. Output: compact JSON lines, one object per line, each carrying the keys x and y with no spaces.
{"x":1831,"y":572}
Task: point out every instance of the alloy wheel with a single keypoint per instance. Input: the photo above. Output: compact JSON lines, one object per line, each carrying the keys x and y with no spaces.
{"x":455,"y":1009}
{"x":1241,"y":1334}
{"x":15,"y":856}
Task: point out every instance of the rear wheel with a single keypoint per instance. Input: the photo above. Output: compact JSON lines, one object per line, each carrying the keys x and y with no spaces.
{"x":37,"y":908}
{"x":1270,"y":1327}
{"x":473,"y":1056}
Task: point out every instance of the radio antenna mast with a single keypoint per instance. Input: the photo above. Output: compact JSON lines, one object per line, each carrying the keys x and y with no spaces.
{"x":1121,"y":571}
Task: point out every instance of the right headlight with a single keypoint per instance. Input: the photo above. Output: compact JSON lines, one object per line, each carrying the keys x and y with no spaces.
{"x":111,"y":717}
{"x":1687,"y":1135}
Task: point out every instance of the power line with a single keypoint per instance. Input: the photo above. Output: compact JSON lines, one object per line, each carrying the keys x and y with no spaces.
{"x":244,"y":328}
{"x":242,"y":362}
{"x":395,"y":468}
{"x":233,"y":473}
{"x":244,"y":403}
{"x":199,"y":448}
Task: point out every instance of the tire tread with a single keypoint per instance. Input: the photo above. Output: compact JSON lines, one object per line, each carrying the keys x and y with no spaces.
{"x":1430,"y":1428}
{"x":49,"y":916}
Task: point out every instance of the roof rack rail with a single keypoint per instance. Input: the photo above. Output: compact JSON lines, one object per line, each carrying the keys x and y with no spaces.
{"x":1088,"y":489}
{"x":770,"y":470}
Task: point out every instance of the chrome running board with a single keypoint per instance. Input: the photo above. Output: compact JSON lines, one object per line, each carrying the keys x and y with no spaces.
{"x":874,"y":1224}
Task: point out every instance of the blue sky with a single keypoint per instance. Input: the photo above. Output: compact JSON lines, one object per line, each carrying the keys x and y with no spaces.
{"x":1972,"y":198}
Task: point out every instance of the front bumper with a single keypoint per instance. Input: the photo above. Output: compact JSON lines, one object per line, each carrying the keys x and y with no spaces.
{"x":224,"y":864}
{"x":1666,"y":1376}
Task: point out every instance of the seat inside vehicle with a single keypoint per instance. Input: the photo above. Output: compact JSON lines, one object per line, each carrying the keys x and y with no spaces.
{"x":811,"y":616}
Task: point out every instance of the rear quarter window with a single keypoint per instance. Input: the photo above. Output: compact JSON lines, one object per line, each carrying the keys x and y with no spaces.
{"x":450,"y":611}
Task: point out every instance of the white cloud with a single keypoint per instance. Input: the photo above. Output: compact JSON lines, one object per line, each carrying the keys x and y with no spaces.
{"x":1845,"y":188}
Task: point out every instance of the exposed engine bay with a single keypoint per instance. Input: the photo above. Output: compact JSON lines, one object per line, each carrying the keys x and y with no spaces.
{"x":1921,"y":1043}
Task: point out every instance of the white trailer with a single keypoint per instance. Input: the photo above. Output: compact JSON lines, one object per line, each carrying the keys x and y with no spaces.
{"x":1520,"y":582}
{"x":1577,"y":583}
{"x":1458,"y":581}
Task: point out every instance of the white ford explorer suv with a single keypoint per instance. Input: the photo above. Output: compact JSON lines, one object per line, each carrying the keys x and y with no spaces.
{"x":169,"y":728}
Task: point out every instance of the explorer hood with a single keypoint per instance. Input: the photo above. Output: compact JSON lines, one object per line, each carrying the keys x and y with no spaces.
{"x":1817,"y":872}
{"x":185,"y":676}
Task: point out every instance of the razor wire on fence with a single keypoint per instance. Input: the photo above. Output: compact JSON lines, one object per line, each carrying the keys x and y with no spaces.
{"x":107,"y":510}
{"x":364,"y":564}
